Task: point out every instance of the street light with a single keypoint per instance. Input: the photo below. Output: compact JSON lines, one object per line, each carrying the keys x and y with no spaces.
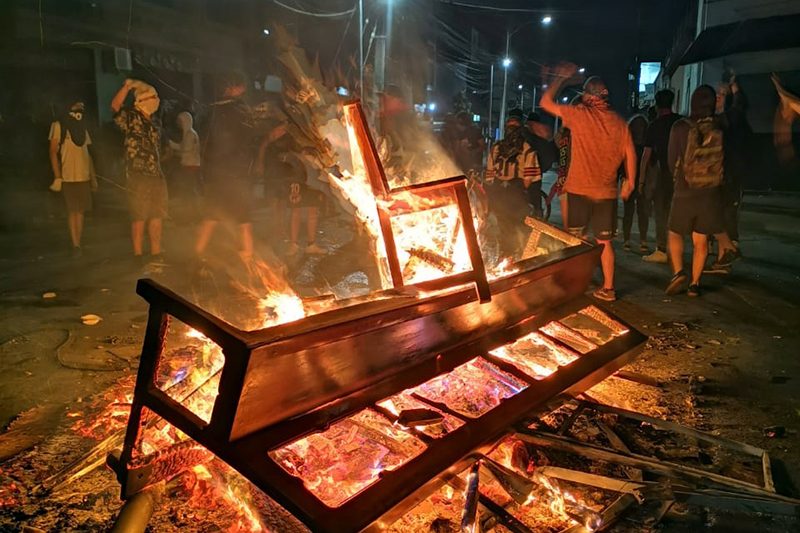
{"x":581,"y":70}
{"x":546,"y":20}
{"x":506,"y":62}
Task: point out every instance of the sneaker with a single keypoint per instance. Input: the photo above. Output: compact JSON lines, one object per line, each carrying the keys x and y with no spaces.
{"x":676,"y":283}
{"x":607,"y":295}
{"x":292,"y":249}
{"x":693,"y":291}
{"x":626,"y":246}
{"x":716,"y":268}
{"x":728,"y":258}
{"x":315,"y":250}
{"x":656,"y":257}
{"x":644,"y":249}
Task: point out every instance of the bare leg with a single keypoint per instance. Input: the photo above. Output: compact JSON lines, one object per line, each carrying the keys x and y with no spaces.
{"x":246,"y":237}
{"x":675,"y":247}
{"x":137,"y":236}
{"x":563,"y":200}
{"x":607,"y":262}
{"x":74,"y":220}
{"x":154,"y":231}
{"x":311,"y":224}
{"x":699,"y":255}
{"x":294,"y":224}
{"x":204,"y":233}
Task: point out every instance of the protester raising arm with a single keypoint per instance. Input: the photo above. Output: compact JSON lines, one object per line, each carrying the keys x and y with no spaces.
{"x":563,"y":74}
{"x":119,"y":98}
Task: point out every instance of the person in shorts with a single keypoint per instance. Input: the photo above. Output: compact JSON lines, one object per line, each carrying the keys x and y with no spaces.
{"x":302,"y":202}
{"x":73,"y":169}
{"x":147,"y":188}
{"x":655,"y":176}
{"x":600,"y":143}
{"x":636,"y":204}
{"x":696,"y":205}
{"x":229,"y":153}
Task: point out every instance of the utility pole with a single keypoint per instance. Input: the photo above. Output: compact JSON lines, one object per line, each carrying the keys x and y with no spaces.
{"x":491,"y":99}
{"x":361,"y":47}
{"x":506,"y":65}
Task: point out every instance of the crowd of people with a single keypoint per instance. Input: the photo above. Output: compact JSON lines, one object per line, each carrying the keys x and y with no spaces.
{"x":684,"y":171}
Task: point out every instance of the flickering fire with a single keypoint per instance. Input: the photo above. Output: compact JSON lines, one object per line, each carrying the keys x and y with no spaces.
{"x":216,"y":484}
{"x":535,"y":355}
{"x":510,"y":453}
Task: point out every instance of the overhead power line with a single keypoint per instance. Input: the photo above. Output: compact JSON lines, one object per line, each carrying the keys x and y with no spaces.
{"x":312,"y":14}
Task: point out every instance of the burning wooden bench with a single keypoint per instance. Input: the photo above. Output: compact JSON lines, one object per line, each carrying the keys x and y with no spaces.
{"x":350,"y":417}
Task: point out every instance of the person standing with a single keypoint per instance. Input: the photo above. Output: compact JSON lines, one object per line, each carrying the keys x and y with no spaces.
{"x":696,"y":156}
{"x":637,"y":203}
{"x":540,"y":138}
{"x":511,"y":168}
{"x":658,"y":179}
{"x":230,"y":156}
{"x":601,"y":142}
{"x":188,"y":181}
{"x":147,"y":188}
{"x":73,"y":169}
{"x":731,"y":103}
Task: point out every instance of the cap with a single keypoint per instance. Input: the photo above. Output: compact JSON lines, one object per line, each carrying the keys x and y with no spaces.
{"x":533,"y":116}
{"x":515,"y":114}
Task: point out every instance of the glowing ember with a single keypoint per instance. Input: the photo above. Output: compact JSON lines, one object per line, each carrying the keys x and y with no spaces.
{"x":535,"y":355}
{"x":503,"y":269}
{"x":571,"y":338}
{"x":471,"y":389}
{"x":348,"y":457}
{"x":512,"y":453}
{"x":218,"y":484}
{"x":404,"y":400}
{"x":594,"y":325}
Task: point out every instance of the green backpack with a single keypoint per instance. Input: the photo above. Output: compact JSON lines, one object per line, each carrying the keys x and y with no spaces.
{"x":702,"y":164}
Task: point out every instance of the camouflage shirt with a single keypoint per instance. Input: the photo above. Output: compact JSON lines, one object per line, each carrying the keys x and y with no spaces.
{"x":142,"y":142}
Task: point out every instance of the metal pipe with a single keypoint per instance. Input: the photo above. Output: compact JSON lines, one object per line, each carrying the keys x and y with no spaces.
{"x":138,"y":509}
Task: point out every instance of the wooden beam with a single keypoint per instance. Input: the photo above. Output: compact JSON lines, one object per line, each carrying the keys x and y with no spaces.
{"x":663,"y":468}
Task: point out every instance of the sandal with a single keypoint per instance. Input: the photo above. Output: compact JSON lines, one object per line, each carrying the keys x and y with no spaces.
{"x":676,"y":283}
{"x":694,"y":290}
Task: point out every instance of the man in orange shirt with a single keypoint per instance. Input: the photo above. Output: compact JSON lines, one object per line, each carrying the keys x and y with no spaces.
{"x":601,"y":142}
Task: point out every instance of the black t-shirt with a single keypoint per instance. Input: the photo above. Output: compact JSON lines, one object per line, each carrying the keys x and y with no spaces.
{"x":657,"y":138}
{"x":229,"y":149}
{"x":545,"y":150}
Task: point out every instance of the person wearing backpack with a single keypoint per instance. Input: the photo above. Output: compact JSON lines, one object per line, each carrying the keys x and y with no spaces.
{"x":73,"y":169}
{"x":696,"y":157}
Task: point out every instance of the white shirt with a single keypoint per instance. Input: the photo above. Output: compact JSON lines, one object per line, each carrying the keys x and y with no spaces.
{"x":76,"y":163}
{"x":188,"y":148}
